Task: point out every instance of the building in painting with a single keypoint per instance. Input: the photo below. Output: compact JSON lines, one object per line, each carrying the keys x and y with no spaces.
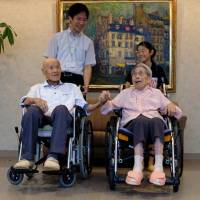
{"x":116,"y":39}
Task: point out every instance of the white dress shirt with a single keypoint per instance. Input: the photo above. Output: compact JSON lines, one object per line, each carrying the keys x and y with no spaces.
{"x":67,"y":94}
{"x":73,"y":51}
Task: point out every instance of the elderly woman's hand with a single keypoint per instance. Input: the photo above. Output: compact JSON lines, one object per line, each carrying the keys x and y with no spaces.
{"x":104,"y":96}
{"x":171,"y":109}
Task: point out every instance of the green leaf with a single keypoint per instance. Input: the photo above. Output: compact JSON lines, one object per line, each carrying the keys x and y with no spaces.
{"x":10,"y":36}
{"x":3,"y":24}
{"x":1,"y":44}
{"x":6,"y":31}
{"x":13,"y":30}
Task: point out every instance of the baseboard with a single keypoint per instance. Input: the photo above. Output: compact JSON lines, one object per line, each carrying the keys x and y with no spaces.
{"x":13,"y":154}
{"x":192,"y":156}
{"x":8,"y":154}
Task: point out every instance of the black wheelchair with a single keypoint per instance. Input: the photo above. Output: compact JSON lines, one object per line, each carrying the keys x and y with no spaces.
{"x":119,"y":150}
{"x":78,"y":156}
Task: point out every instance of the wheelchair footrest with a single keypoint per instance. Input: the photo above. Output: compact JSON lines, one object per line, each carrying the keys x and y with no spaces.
{"x":119,"y":179}
{"x":56,"y":172}
{"x":24,"y":171}
{"x":172,"y":181}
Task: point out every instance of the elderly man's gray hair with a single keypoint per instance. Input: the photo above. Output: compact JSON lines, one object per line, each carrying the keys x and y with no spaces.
{"x":147,"y":69}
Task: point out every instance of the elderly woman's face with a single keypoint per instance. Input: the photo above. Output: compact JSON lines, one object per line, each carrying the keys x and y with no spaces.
{"x":140,"y":78}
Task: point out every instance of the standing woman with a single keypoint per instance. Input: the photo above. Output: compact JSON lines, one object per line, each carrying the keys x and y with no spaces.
{"x":145,"y":53}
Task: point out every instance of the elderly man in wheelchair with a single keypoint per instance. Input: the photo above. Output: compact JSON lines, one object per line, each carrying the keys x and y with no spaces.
{"x":51,"y":102}
{"x":141,"y":107}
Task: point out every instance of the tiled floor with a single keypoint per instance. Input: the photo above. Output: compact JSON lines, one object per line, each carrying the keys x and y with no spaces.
{"x":43,"y":187}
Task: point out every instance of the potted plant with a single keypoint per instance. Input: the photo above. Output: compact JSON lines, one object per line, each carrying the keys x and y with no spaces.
{"x":6,"y":31}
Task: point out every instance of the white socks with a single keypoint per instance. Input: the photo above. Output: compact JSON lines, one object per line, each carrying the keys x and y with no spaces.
{"x":138,"y":163}
{"x":158,"y":163}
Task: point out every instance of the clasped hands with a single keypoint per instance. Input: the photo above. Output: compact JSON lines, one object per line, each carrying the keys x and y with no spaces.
{"x":104,"y":97}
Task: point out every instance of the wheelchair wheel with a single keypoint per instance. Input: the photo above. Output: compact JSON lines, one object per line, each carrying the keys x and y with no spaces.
{"x":111,"y":171}
{"x":67,"y":179}
{"x":179,"y":153}
{"x":85,"y":148}
{"x":106,"y":148}
{"x":14,"y":177}
{"x":175,"y":188}
{"x":178,"y":150}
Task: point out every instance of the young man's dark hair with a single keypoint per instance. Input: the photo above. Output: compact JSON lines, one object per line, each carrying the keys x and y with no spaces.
{"x":78,"y":8}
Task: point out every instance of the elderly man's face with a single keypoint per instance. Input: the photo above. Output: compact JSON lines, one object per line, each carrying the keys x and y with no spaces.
{"x":140,"y":78}
{"x":52,"y":71}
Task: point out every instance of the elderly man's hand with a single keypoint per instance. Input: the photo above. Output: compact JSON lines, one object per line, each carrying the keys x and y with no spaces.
{"x":171,"y":109}
{"x":127,"y":85}
{"x":42,"y":104}
{"x":104,"y":97}
{"x":85,"y":89}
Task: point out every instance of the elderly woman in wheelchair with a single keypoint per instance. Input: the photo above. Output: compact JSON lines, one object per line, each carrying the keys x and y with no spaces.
{"x":141,"y":107}
{"x":51,"y":102}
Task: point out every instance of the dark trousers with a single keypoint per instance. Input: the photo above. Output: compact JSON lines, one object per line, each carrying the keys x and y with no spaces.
{"x":145,"y":130}
{"x":68,"y":77}
{"x":34,"y":118}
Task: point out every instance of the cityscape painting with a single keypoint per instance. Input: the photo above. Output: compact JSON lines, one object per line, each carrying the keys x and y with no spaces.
{"x":116,"y":27}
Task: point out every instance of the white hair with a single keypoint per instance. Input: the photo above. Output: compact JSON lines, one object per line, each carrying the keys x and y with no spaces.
{"x":146,"y":67}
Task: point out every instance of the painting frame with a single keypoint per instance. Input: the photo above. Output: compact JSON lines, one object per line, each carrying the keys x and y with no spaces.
{"x":167,"y":27}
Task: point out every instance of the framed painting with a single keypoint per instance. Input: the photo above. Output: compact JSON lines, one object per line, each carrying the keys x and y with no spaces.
{"x":116,"y":27}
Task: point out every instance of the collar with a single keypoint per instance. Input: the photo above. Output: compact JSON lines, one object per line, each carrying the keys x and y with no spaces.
{"x":72,"y":34}
{"x":143,"y":90}
{"x":46,"y":84}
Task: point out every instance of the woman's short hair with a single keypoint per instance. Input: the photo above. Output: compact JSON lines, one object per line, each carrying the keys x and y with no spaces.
{"x":145,"y":67}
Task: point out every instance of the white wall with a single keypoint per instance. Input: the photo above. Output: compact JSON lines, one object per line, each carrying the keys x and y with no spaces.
{"x":35,"y":22}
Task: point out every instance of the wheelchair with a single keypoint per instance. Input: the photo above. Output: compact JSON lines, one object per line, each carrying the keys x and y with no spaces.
{"x":119,"y":150}
{"x":78,"y":156}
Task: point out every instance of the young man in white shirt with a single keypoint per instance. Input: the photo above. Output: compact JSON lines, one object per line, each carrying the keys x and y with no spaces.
{"x":74,"y":49}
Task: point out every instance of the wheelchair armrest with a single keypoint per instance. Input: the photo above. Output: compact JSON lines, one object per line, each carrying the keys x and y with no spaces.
{"x":118,"y":112}
{"x":24,"y":105}
{"x":80,"y":111}
{"x":182,"y":122}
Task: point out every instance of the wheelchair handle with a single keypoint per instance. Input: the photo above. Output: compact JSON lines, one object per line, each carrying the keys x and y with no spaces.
{"x":80,"y":111}
{"x":118,"y":112}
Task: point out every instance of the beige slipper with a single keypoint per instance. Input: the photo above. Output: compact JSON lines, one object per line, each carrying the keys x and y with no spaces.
{"x":23,"y":164}
{"x":51,"y":164}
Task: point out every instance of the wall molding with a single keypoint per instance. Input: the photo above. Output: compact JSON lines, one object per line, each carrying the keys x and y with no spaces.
{"x":13,"y":154}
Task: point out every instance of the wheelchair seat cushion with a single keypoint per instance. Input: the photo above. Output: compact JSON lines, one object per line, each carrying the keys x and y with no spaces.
{"x":134,"y":177}
{"x":157,"y":178}
{"x":45,"y":131}
{"x":125,"y":131}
